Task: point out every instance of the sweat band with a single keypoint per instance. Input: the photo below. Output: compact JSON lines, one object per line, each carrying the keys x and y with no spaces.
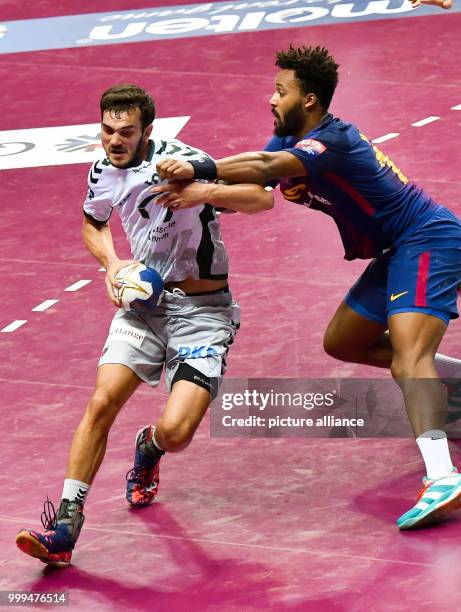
{"x":204,"y":168}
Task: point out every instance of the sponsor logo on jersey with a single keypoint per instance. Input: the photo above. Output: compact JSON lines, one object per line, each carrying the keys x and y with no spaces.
{"x":124,"y":200}
{"x":141,"y":167}
{"x":197,"y":351}
{"x":396,"y":296}
{"x":311,"y":146}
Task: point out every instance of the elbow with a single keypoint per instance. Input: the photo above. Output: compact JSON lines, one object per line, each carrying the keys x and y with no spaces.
{"x":264,"y":202}
{"x":268,"y":200}
{"x":90,"y":228}
{"x":85,"y":229}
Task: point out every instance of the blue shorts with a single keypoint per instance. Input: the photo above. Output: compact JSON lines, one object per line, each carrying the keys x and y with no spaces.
{"x":421,"y":274}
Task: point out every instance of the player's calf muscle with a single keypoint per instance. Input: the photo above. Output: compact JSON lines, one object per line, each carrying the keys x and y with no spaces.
{"x":185,"y":409}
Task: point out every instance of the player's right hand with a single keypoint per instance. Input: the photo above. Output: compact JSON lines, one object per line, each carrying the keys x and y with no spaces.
{"x":174,"y":169}
{"x":112,"y":282}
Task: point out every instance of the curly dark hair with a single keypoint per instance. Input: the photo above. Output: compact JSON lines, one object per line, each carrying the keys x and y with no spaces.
{"x":125,"y":97}
{"x":314,"y":68}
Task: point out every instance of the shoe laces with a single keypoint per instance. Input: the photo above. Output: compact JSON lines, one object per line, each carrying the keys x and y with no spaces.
{"x":427,"y":482}
{"x":48,"y":516}
{"x":138,"y":474}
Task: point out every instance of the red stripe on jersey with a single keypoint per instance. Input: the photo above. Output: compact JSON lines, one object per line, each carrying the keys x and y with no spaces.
{"x":351,"y":192}
{"x":423,"y":275}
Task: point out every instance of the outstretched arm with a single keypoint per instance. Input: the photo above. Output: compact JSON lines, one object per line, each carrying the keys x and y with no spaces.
{"x":256,"y":167}
{"x":241,"y":198}
{"x":260,"y":167}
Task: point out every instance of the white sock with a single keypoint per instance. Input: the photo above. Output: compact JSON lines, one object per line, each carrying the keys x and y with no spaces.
{"x":447,"y":367}
{"x":436,"y":454}
{"x":75,"y":490}
{"x":155,"y":443}
{"x":151,"y":446}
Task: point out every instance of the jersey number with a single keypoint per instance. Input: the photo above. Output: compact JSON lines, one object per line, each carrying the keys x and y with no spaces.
{"x":384,"y":160}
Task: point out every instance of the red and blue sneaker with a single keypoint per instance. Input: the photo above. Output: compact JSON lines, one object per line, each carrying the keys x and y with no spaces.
{"x":144,"y":478}
{"x":54,"y":545}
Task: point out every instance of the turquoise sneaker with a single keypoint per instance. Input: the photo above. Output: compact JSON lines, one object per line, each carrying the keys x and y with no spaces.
{"x":435,"y":499}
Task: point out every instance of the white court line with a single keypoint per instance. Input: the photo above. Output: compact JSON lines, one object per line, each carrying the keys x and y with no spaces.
{"x":457,"y":107}
{"x":14,"y":325}
{"x":386,"y":137}
{"x":320,"y":553}
{"x":44,"y":305}
{"x":78,"y":285}
{"x":46,"y":263}
{"x":425,"y":121}
{"x":313,"y":552}
{"x":67,"y":386}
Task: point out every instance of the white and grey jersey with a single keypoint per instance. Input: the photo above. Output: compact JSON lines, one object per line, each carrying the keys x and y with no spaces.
{"x":180,"y":244}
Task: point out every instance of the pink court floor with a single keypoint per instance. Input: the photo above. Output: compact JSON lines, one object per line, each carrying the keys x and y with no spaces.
{"x":240,"y":524}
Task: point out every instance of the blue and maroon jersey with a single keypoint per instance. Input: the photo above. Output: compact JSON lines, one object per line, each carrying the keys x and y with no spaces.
{"x":351,"y":180}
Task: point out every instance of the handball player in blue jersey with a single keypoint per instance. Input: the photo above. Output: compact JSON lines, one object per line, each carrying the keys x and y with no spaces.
{"x":397,"y":312}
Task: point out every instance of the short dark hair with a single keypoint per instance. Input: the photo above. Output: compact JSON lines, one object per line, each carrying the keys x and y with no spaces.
{"x":314,"y":68}
{"x":125,"y":97}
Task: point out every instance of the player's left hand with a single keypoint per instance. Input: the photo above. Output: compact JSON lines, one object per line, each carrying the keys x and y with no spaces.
{"x":181,"y":194}
{"x":112,"y":282}
{"x":445,"y":4}
{"x":173,"y":169}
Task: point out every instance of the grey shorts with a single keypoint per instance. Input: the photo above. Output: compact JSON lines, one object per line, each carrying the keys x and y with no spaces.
{"x":196,"y":330}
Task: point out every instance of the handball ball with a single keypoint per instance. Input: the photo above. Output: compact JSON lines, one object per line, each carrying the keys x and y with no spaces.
{"x":141,"y":287}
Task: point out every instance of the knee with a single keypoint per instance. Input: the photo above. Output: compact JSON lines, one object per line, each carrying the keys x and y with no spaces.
{"x":173,"y":436}
{"x":102,"y":409}
{"x":410,"y":365}
{"x":333,"y":347}
{"x":399,"y":368}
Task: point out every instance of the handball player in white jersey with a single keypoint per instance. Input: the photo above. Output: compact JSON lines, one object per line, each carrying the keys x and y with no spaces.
{"x":188,"y":334}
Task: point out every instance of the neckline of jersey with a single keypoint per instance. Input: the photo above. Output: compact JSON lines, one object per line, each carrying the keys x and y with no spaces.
{"x":327,"y":117}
